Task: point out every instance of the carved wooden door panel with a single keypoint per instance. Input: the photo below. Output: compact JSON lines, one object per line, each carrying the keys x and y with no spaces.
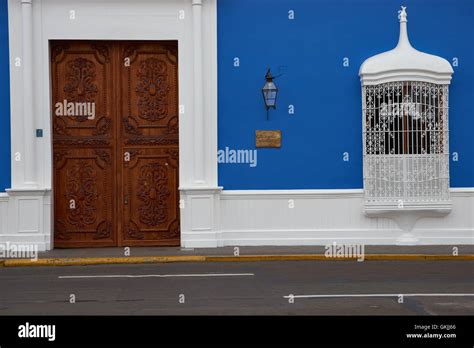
{"x":149,"y":143}
{"x":115,"y":143}
{"x":83,"y":144}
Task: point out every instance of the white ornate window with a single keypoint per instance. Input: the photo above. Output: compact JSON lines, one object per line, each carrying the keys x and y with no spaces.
{"x":405,"y":128}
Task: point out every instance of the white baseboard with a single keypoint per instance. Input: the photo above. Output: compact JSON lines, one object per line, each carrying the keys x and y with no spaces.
{"x":325,"y":237}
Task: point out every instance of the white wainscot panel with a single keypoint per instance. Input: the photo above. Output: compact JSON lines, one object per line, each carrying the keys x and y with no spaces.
{"x":22,"y":218}
{"x":201,"y":213}
{"x":320,"y":217}
{"x":3,"y":213}
{"x":28,"y":215}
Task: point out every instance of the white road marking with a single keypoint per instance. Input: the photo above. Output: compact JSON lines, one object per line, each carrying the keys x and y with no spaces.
{"x":377,"y":295}
{"x":159,"y":275}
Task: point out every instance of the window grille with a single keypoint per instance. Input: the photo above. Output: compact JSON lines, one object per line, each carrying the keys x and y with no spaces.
{"x":406,"y":142}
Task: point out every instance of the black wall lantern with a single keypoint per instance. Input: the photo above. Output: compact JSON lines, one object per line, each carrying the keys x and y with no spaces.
{"x":270,"y":92}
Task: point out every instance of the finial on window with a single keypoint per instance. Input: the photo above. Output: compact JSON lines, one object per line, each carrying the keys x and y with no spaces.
{"x":402,"y":14}
{"x":403,"y":39}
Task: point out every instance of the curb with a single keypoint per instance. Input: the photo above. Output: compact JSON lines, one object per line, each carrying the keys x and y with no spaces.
{"x":244,"y":258}
{"x":322,"y":257}
{"x":86,"y":261}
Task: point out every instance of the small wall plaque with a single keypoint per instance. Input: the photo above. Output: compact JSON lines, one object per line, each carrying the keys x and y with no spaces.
{"x":268,"y":138}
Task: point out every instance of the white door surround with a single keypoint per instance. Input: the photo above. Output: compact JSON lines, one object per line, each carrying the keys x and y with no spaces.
{"x":32,"y":23}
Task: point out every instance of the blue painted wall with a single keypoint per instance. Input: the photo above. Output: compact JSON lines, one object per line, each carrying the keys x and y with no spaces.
{"x":308,"y":51}
{"x":5,"y":171}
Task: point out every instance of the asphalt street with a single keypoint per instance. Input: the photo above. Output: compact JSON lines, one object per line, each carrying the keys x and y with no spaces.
{"x":242,"y":288}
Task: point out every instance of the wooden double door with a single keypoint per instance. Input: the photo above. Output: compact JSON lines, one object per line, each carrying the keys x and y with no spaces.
{"x":115,"y":143}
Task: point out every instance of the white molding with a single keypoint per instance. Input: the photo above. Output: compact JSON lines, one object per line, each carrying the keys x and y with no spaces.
{"x":26,"y":192}
{"x":198,"y":118}
{"x":321,"y":192}
{"x":461,"y":191}
{"x":302,"y":194}
{"x":201,"y":189}
{"x":368,"y":79}
{"x":28,"y":119}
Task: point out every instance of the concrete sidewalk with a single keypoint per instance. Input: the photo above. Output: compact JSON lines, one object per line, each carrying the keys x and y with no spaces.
{"x":251,"y":250}
{"x":143,"y":255}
